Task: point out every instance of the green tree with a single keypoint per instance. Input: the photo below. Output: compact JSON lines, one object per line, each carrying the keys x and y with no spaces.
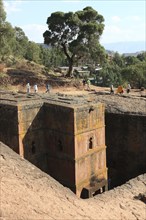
{"x":118,"y":60}
{"x":74,"y":32}
{"x":142,"y":56}
{"x":6,"y":33}
{"x":110,"y":74}
{"x":52,"y":57}
{"x":96,"y":53}
{"x":20,"y":42}
{"x":33,"y":52}
{"x":57,"y":57}
{"x":2,"y":13}
{"x":131,"y":60}
{"x":135,"y":75}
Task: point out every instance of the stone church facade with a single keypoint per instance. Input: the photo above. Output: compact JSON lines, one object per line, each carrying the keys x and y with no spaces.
{"x":63,"y":137}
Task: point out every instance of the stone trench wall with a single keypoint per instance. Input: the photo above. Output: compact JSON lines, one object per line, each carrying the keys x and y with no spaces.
{"x":126,"y":147}
{"x":9,"y":126}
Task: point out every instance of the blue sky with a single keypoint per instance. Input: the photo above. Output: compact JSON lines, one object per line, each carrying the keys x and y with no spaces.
{"x":124,"y":20}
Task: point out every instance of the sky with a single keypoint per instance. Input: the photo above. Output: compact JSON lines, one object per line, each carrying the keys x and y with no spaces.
{"x":124,"y":19}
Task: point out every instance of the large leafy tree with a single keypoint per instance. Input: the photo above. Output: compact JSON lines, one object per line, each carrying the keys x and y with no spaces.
{"x":6,"y":33}
{"x":142,"y":56}
{"x":74,"y":33}
{"x":118,"y":60}
{"x":51,"y":57}
{"x":33,"y":52}
{"x":135,"y":75}
{"x":2,"y":13}
{"x":109,"y":74}
{"x":131,"y":60}
{"x":20,"y":42}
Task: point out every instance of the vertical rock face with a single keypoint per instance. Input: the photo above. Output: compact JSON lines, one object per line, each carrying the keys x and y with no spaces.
{"x":9,"y":125}
{"x":63,"y":138}
{"x":126,"y":154}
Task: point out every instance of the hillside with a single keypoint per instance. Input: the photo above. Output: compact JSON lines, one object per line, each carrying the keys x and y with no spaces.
{"x":28,"y":193}
{"x":18,"y":75}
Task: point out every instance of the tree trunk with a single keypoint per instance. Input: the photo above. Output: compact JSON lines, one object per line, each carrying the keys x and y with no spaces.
{"x":70,"y":61}
{"x":70,"y":69}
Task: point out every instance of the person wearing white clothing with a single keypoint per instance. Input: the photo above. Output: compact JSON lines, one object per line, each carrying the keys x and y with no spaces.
{"x":28,"y":87}
{"x":111,"y":89}
{"x":128,"y":88}
{"x":35,"y":88}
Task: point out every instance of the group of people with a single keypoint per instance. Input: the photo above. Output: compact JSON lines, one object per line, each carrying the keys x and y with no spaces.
{"x":28,"y":87}
{"x":120,"y":89}
{"x":86,"y":82}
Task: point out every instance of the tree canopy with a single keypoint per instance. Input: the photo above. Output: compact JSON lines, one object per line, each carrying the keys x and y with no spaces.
{"x":75,"y":33}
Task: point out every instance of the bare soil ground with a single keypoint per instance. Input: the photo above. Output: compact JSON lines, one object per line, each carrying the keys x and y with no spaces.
{"x":15,"y":79}
{"x":30,"y":194}
{"x":133,"y":103}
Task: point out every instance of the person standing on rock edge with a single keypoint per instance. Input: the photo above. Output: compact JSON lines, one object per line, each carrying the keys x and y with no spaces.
{"x":47,"y":88}
{"x":28,"y":88}
{"x":84,"y":83}
{"x":128,"y":88}
{"x":35,"y":88}
{"x":88,"y":85}
{"x":112,"y":89}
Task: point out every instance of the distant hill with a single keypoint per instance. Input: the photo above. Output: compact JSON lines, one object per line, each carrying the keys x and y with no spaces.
{"x":44,"y":45}
{"x":133,"y":54}
{"x":126,"y":47}
{"x":111,"y":52}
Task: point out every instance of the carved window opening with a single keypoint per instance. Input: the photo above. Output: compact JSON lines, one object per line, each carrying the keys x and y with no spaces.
{"x":60,"y":146}
{"x":91,"y":109}
{"x":91,"y":143}
{"x":33,"y":147}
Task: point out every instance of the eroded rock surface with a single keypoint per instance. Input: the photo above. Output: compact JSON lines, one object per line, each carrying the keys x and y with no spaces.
{"x":28,"y":193}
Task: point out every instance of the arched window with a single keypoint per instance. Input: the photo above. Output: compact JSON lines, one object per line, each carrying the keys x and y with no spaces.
{"x":91,"y":109}
{"x":91,"y":143}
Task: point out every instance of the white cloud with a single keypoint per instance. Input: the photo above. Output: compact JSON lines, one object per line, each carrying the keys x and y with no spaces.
{"x":34,"y":32}
{"x":133,"y":18}
{"x":116,"y":19}
{"x":12,"y":6}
